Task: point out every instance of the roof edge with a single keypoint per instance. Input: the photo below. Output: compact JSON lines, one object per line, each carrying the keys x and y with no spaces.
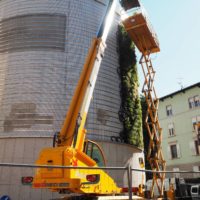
{"x":180,"y":91}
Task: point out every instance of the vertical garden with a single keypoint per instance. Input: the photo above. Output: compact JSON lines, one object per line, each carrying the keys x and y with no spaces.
{"x":130,"y":113}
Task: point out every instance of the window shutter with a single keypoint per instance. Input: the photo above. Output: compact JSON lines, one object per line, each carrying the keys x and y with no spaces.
{"x":191,"y":102}
{"x":178,"y":150}
{"x":176,"y":175}
{"x":192,"y":148}
{"x":196,"y":99}
{"x":170,"y":126}
{"x":169,"y":153}
{"x":195,"y":168}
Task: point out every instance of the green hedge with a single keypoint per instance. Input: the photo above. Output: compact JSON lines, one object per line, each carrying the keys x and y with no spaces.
{"x":130,"y":113}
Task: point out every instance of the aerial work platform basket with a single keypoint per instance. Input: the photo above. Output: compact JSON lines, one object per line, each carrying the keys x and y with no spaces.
{"x":141,"y":32}
{"x":129,"y":4}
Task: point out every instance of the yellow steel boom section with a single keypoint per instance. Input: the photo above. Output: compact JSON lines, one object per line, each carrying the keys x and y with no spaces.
{"x":73,"y":131}
{"x":79,"y":103}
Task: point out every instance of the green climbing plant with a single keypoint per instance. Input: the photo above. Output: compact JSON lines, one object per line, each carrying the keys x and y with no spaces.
{"x":130,"y":113}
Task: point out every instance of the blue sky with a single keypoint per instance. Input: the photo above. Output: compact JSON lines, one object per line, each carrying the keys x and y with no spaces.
{"x":177,"y":24}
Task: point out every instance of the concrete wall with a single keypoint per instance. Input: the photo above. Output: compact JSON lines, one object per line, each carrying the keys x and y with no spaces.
{"x":121,"y":155}
{"x":26,"y":150}
{"x":20,"y":150}
{"x":184,"y":132}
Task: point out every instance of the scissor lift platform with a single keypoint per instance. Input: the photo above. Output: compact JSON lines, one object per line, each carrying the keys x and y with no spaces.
{"x":142,"y":33}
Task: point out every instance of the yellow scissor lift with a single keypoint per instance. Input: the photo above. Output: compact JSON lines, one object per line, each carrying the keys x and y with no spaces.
{"x":145,"y":39}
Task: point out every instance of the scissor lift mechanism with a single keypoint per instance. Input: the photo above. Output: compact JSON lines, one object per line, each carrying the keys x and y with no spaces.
{"x":142,"y":34}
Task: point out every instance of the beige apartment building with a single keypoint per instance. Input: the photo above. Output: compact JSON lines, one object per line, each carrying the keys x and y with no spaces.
{"x":179,"y":114}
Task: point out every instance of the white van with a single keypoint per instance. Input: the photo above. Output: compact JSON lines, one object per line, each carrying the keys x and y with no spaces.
{"x":195,"y":192}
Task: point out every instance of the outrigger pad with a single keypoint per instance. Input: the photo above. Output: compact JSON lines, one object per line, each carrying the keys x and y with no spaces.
{"x":129,"y":4}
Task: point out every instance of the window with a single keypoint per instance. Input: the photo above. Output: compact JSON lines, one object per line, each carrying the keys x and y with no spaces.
{"x":196,"y":144}
{"x":194,"y":190}
{"x":169,"y":110}
{"x":191,"y":102}
{"x":33,"y":32}
{"x":194,"y":102}
{"x":171,"y":129}
{"x":195,"y":148}
{"x":94,"y":152}
{"x":195,"y":121}
{"x":198,"y":136}
{"x":174,"y":153}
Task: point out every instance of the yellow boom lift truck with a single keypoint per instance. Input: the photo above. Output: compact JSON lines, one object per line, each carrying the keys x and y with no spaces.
{"x":71,"y":148}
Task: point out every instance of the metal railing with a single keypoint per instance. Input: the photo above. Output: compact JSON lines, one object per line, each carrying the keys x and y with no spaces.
{"x":129,"y":170}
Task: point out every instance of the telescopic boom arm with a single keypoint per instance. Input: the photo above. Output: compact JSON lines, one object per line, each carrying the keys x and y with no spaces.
{"x":73,"y":132}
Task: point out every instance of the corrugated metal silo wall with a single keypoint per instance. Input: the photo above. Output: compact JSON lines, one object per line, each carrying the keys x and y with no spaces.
{"x":43,"y":44}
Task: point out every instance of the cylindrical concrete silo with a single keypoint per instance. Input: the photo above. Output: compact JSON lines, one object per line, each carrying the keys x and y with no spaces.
{"x":43,"y":45}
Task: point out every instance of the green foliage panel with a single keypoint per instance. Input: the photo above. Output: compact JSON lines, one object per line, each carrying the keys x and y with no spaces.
{"x":130,"y":113}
